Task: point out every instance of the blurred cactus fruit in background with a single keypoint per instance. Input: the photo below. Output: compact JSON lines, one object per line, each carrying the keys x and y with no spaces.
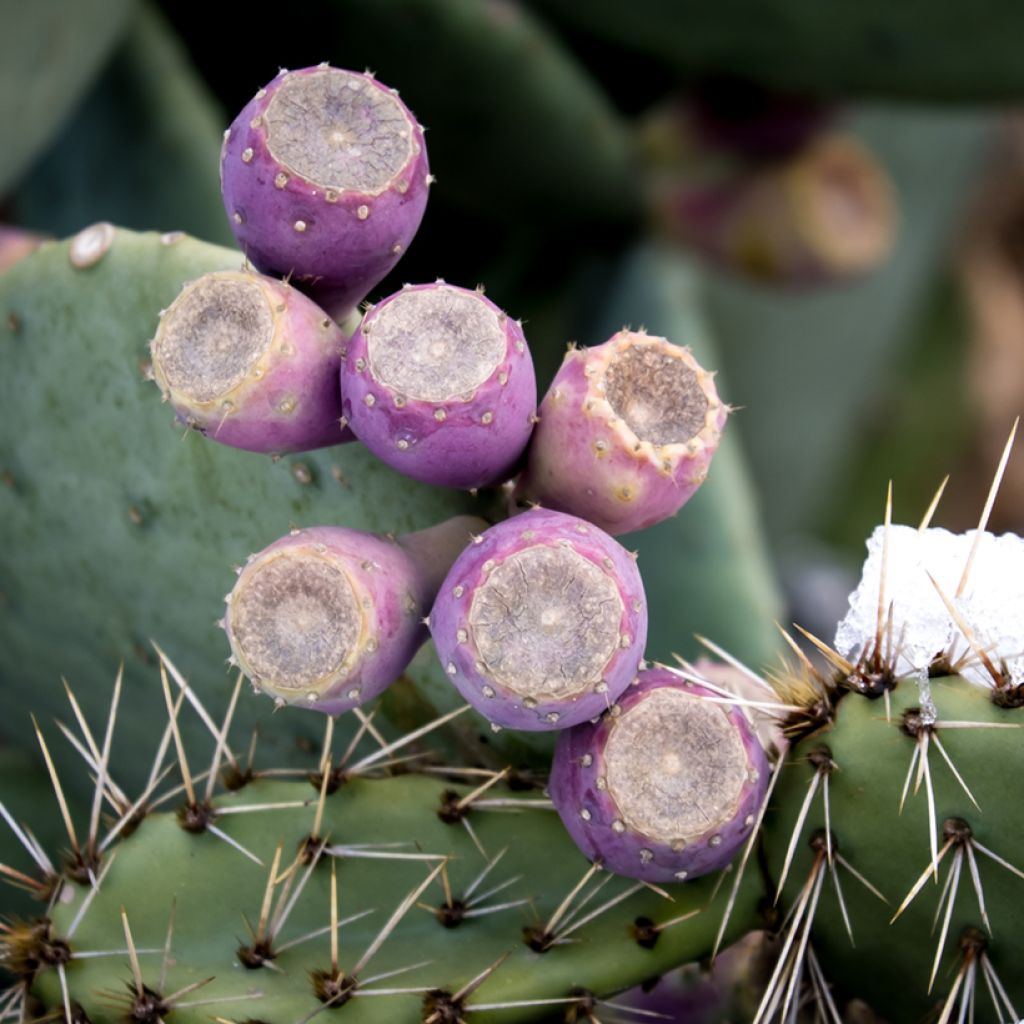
{"x":439,"y":384}
{"x":666,"y":785}
{"x":328,"y":618}
{"x":16,"y":244}
{"x":542,"y":622}
{"x":251,"y":363}
{"x":771,"y":196}
{"x":626,"y":434}
{"x":324,"y":176}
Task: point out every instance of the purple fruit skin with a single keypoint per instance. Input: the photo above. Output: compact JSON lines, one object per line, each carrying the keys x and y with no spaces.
{"x":399,"y":576}
{"x":308,"y":377}
{"x":573,"y":789}
{"x":580,"y":464}
{"x":452,"y":607}
{"x":461,"y":450}
{"x":340,"y":255}
{"x":685,"y":996}
{"x":16,"y":244}
{"x":728,"y":990}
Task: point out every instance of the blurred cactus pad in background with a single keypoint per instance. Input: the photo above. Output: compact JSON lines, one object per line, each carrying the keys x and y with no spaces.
{"x":435,"y":483}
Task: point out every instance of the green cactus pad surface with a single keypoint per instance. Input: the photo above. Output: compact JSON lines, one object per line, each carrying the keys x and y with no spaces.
{"x":215,"y":894}
{"x":890,"y":964}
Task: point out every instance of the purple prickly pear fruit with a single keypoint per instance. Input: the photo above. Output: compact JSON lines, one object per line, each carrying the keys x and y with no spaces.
{"x":826,"y":213}
{"x":327,"y":618}
{"x":438,"y":383}
{"x":666,"y":785}
{"x":627,"y":431}
{"x":252,"y":363}
{"x":541,"y":623}
{"x":324,"y":177}
{"x":729,"y":989}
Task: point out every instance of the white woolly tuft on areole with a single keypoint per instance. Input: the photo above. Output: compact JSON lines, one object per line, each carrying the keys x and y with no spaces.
{"x":992,"y":603}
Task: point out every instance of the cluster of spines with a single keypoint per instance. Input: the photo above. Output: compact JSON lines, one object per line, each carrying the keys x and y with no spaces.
{"x":931,"y":713}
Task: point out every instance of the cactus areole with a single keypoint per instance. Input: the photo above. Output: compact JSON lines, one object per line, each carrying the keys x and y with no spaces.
{"x":324,"y":177}
{"x":541,"y":624}
{"x":626,"y":434}
{"x":439,"y":384}
{"x":665,"y":786}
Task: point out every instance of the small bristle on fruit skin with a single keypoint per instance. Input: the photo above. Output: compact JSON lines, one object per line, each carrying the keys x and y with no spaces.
{"x":585,"y":461}
{"x":600,"y":828}
{"x":466,"y":441}
{"x":457,"y":646}
{"x":392,"y":581}
{"x":289,"y":400}
{"x":336,"y":245}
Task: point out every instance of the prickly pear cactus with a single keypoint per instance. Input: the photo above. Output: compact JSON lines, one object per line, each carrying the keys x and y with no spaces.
{"x":885,"y":925}
{"x":419,"y":897}
{"x":185,"y":508}
{"x":894,"y":846}
{"x":403,"y":856}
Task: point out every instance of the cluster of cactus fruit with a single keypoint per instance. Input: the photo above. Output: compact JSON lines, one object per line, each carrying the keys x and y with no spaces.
{"x":383,"y":885}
